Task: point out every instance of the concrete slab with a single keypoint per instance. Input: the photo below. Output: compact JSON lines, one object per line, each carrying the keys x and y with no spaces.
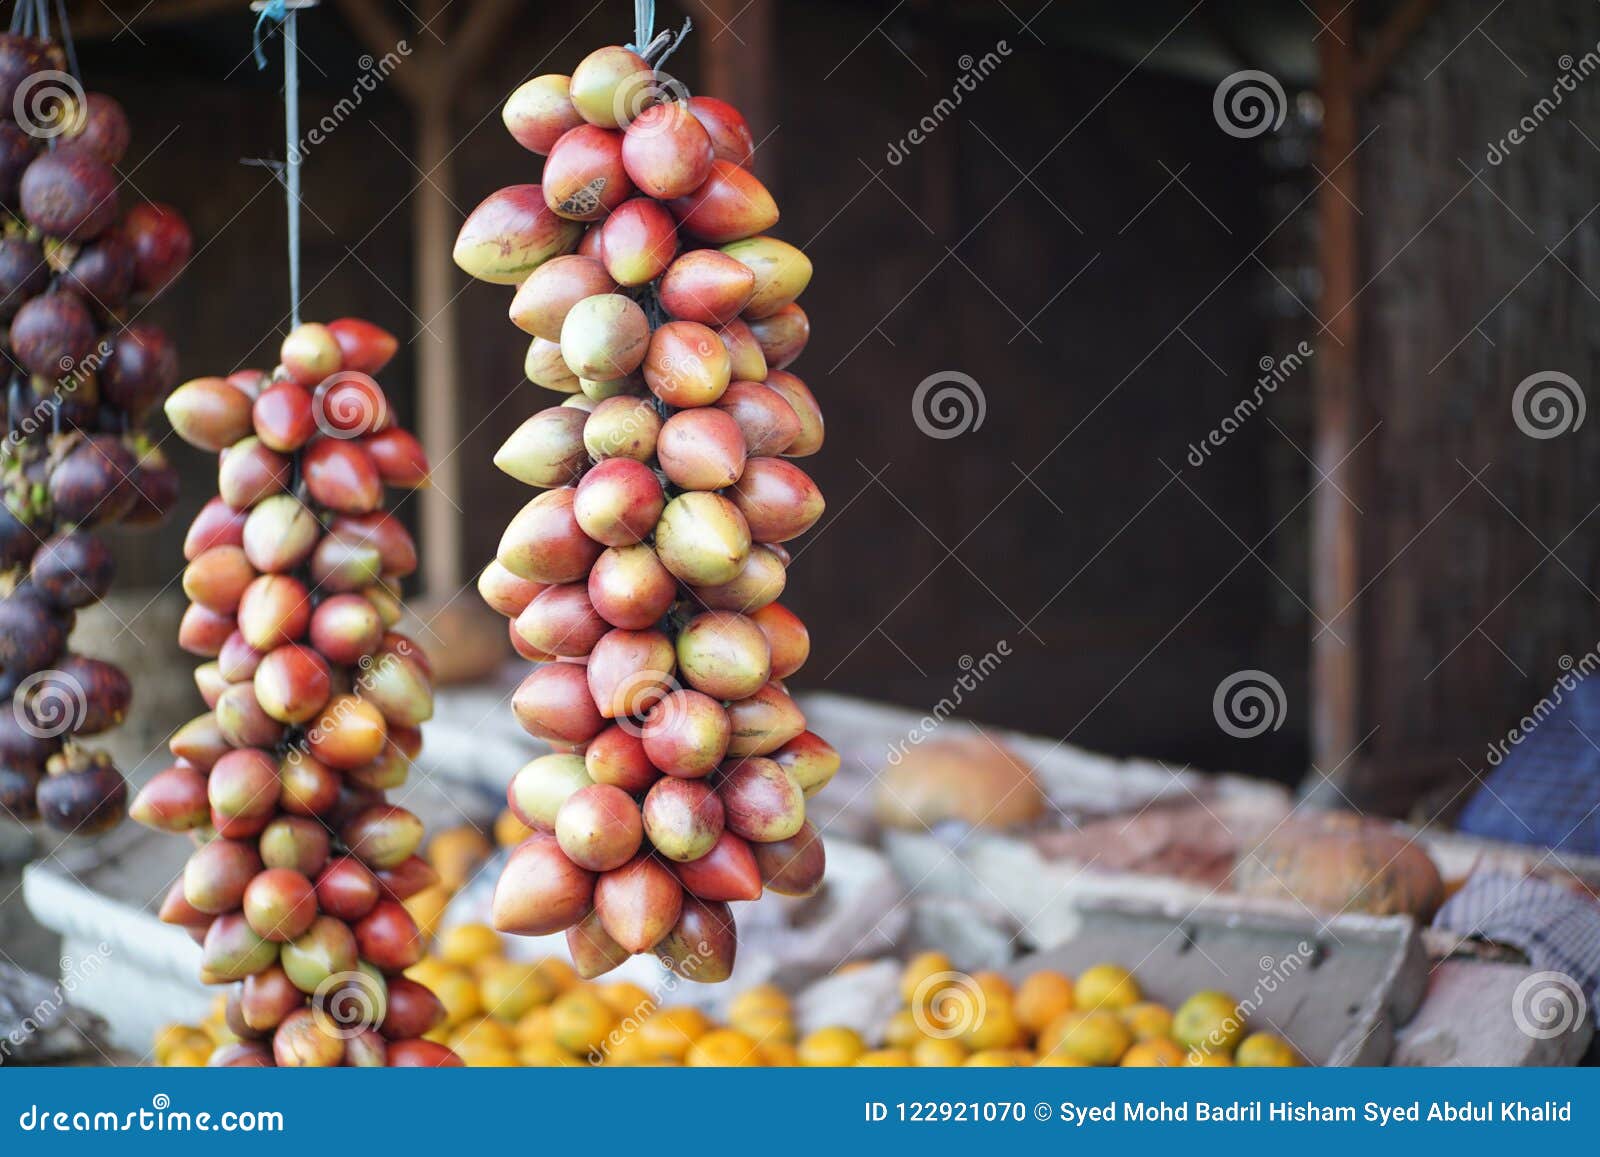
{"x":1479,"y":1013}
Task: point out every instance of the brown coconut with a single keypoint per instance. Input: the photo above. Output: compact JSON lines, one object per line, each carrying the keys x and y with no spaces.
{"x":968,"y":777}
{"x":1342,"y":862}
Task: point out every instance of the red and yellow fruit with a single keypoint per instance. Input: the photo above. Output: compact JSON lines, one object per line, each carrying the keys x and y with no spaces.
{"x":644,"y":577}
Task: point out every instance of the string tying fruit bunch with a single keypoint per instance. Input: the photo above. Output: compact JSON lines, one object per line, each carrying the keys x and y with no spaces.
{"x":75,"y":274}
{"x":645,"y":577}
{"x":314,"y":702}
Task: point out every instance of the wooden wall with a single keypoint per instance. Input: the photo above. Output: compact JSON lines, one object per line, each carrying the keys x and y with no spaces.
{"x":1482,"y":549}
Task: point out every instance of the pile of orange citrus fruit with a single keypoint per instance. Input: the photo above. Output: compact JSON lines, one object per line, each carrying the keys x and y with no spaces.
{"x":501,"y":1012}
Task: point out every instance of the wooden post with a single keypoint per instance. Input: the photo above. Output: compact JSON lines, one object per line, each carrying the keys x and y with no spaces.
{"x":428,"y":82}
{"x":433,"y":230}
{"x":737,"y":64}
{"x":1335,"y":531}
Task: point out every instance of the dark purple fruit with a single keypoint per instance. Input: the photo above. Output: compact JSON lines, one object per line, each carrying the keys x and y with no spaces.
{"x":32,"y":631}
{"x":52,"y":333}
{"x":17,"y":151}
{"x":161,"y":241}
{"x":93,"y":483}
{"x":102,"y":273}
{"x":23,"y":272}
{"x":73,"y":569}
{"x":140,"y":370}
{"x":21,"y":750}
{"x":156,"y":487}
{"x":83,"y":796}
{"x":70,"y":194}
{"x":21,"y":57}
{"x":79,"y":696}
{"x":17,"y":798}
{"x":103,"y":130}
{"x":19,"y":531}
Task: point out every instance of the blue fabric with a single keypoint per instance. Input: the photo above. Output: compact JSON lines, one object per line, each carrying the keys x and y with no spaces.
{"x":1546,"y":787}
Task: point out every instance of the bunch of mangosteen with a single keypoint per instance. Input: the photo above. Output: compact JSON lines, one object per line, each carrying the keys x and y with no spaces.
{"x":77,"y":270}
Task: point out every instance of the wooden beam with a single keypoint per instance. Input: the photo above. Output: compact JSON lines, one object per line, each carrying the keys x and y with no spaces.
{"x":1390,"y":40}
{"x":738,"y":64}
{"x":1336,"y":410}
{"x":94,"y":21}
{"x":434,"y":221}
{"x":475,"y":37}
{"x":416,"y":79}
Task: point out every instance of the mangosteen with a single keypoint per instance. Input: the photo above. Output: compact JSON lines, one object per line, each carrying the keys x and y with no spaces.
{"x":73,"y":569}
{"x":78,"y":696}
{"x":91,"y":483}
{"x":82,"y":793}
{"x":32,"y":631}
{"x":102,"y":129}
{"x":140,"y":368}
{"x":22,"y":749}
{"x":20,"y":526}
{"x":17,"y":151}
{"x":156,"y":487}
{"x":52,"y":333}
{"x":17,"y":800}
{"x":102,"y":273}
{"x":69,"y":194}
{"x":161,"y":242}
{"x":21,"y":57}
{"x":23,"y":272}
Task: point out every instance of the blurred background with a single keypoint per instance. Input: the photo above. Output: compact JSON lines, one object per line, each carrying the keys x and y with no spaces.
{"x":1206,"y":386}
